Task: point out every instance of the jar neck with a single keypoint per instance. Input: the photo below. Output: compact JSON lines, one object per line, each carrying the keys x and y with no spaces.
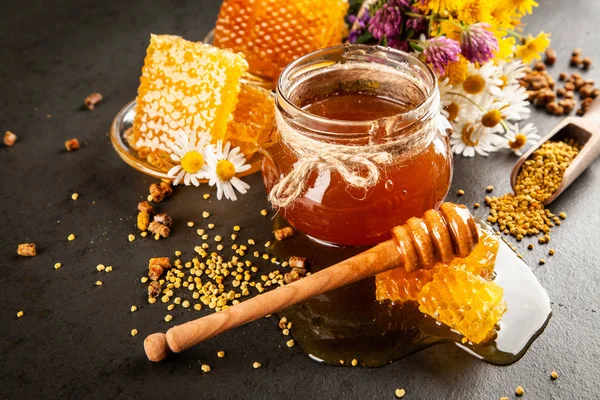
{"x":362,"y":70}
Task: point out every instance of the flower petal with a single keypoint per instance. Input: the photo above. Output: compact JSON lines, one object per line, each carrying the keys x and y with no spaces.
{"x":173,"y":171}
{"x":240,"y":185}
{"x":178,"y":178}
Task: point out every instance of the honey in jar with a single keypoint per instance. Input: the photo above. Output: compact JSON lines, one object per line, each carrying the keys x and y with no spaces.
{"x":347,"y":108}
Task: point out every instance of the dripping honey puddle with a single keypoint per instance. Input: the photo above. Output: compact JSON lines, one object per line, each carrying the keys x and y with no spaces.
{"x":349,"y":323}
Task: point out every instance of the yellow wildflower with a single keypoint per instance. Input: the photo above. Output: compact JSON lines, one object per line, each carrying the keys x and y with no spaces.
{"x":522,"y":6}
{"x":506,"y":46}
{"x":443,"y":6}
{"x":502,"y":16}
{"x":473,"y":11}
{"x":457,"y":71}
{"x":450,"y":29}
{"x":533,"y":47}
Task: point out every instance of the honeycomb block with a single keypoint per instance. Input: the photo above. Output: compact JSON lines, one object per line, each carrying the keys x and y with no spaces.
{"x":482,"y":259}
{"x":185,"y":87}
{"x":464,"y":301}
{"x":273,"y":33}
{"x":252,"y":120}
{"x":399,"y":285}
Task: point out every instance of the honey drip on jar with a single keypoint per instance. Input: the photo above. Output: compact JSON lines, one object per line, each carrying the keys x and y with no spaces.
{"x":350,"y":323}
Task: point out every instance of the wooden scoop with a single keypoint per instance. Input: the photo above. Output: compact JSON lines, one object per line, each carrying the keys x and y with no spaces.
{"x":438,"y":236}
{"x":585,"y":131}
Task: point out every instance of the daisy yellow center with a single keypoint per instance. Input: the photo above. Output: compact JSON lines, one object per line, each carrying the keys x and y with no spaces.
{"x":453,"y":110}
{"x":491,"y":118}
{"x":504,"y":80}
{"x":467,"y":135}
{"x":225,"y":170}
{"x":474,"y":84}
{"x":192,"y":162}
{"x":518,"y":142}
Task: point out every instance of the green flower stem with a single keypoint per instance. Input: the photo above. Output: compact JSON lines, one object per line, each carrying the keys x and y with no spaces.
{"x":429,"y":26}
{"x":502,"y":121}
{"x":514,"y":33}
{"x":435,"y":17}
{"x":412,"y":14}
{"x":468,"y":99}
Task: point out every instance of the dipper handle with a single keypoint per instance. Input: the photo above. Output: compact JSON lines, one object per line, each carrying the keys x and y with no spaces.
{"x":420,"y":243}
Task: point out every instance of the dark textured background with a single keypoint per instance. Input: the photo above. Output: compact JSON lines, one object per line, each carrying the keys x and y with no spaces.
{"x":74,"y":341}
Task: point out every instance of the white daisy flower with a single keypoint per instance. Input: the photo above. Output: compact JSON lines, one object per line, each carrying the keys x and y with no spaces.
{"x":482,"y":80}
{"x":517,"y":107}
{"x":517,"y":137}
{"x":510,"y":73}
{"x":450,"y":103}
{"x":468,"y":140}
{"x":222,"y":164}
{"x":491,"y":116}
{"x":444,"y":87}
{"x":188,"y":150}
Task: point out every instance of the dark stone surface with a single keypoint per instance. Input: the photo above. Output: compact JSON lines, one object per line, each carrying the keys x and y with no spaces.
{"x":74,"y":342}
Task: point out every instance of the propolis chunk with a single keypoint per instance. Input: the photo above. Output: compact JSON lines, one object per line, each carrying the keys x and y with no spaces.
{"x":273,"y":33}
{"x":185,"y":87}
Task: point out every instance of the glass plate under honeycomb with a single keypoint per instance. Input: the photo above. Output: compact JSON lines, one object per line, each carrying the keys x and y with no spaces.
{"x":124,"y":120}
{"x":247,"y":77}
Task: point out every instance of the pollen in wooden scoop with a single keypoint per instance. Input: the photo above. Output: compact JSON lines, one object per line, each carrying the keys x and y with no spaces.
{"x":273,"y":33}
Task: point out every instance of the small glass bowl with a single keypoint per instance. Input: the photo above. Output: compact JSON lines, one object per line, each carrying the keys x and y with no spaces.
{"x":124,"y":120}
{"x":247,"y":77}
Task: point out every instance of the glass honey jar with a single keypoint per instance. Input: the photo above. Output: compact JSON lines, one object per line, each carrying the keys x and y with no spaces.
{"x":359,"y":146}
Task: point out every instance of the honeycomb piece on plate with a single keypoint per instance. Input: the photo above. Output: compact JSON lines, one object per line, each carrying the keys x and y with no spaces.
{"x":252,"y":120}
{"x":185,"y":87}
{"x":399,"y":285}
{"x":464,"y":301}
{"x":273,"y":33}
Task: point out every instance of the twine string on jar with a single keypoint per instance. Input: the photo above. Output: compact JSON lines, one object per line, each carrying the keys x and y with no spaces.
{"x":359,"y":165}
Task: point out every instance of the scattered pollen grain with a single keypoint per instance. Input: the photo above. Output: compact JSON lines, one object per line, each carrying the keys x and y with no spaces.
{"x":519,"y":391}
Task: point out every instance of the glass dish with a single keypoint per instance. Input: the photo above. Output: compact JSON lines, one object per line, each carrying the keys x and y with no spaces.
{"x":123,"y":121}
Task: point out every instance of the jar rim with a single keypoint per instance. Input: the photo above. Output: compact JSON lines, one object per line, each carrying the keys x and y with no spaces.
{"x":354,"y":52}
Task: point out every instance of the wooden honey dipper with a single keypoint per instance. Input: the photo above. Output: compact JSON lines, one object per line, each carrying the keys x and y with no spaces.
{"x":438,"y":236}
